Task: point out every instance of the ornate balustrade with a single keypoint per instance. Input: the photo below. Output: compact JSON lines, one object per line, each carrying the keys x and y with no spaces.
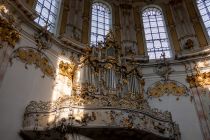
{"x":109,"y":112}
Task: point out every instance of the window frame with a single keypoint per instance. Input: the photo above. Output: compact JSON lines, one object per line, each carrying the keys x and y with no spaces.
{"x":110,"y":16}
{"x":168,"y":37}
{"x":57,"y":14}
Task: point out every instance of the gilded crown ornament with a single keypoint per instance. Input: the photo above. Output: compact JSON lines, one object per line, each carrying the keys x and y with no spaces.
{"x":8,"y":32}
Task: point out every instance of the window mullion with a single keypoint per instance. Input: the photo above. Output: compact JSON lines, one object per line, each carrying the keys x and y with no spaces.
{"x":100,"y":18}
{"x":153,"y":21}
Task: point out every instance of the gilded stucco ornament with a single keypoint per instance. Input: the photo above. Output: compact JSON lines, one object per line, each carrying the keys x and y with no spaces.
{"x":189,"y":44}
{"x":43,"y":39}
{"x":31,"y":56}
{"x":199,"y":79}
{"x":163,"y":68}
{"x":163,"y":88}
{"x":36,"y":55}
{"x":67,"y":69}
{"x":8,"y":32}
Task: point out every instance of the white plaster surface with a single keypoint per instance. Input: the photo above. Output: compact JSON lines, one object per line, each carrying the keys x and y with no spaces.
{"x":183,"y":112}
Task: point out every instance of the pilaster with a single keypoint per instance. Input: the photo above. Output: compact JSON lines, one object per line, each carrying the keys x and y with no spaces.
{"x":139,"y":35}
{"x":86,"y":22}
{"x":172,"y":29}
{"x":196,"y":23}
{"x":64,"y":16}
{"x":117,"y":23}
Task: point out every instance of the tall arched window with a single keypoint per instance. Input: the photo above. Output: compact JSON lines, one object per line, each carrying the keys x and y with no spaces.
{"x":47,"y":11}
{"x":204,"y":9}
{"x":155,"y":33}
{"x":100,"y":22}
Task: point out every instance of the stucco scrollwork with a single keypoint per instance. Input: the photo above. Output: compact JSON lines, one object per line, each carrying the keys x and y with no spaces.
{"x":199,"y":79}
{"x":36,"y":55}
{"x":31,"y":56}
{"x":8,"y":32}
{"x":162,"y":88}
{"x":163,"y":68}
{"x":42,"y":39}
{"x":67,"y":69}
{"x":189,"y":44}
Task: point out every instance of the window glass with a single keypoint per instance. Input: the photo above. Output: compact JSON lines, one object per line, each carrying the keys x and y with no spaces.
{"x":47,"y":13}
{"x":155,"y":33}
{"x":100,"y":22}
{"x":204,"y":8}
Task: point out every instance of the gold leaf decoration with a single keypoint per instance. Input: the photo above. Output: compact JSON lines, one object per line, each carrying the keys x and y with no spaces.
{"x":8,"y":32}
{"x":66,"y":69}
{"x":31,"y":56}
{"x":199,"y":79}
{"x":162,"y":88}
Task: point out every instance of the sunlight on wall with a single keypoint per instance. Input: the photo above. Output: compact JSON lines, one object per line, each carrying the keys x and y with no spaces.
{"x":3,"y":9}
{"x":66,"y":74}
{"x":78,"y":77}
{"x":63,"y":85}
{"x":51,"y":118}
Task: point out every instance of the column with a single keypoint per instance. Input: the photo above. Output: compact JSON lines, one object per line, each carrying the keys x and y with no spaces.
{"x":172,"y":29}
{"x":117,"y":23}
{"x":86,"y":22}
{"x":64,"y":16}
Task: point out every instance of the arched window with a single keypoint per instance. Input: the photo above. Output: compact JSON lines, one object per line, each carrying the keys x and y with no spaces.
{"x":47,"y":11}
{"x":100,"y":22}
{"x":204,"y":9}
{"x":155,"y":33}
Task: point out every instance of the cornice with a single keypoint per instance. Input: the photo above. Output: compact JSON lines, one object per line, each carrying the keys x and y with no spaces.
{"x":22,"y":8}
{"x":28,"y":16}
{"x":66,"y":43}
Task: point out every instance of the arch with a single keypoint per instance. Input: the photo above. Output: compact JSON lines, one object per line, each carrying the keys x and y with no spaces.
{"x":101,"y":21}
{"x":156,"y":36}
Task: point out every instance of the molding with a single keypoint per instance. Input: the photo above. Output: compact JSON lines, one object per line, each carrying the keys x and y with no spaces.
{"x":22,"y":8}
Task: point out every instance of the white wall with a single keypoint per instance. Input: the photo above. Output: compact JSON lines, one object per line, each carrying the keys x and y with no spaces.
{"x":183,"y":112}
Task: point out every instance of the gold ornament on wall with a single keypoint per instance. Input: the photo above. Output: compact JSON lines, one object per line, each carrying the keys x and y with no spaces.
{"x":189,"y":44}
{"x":199,"y":79}
{"x":8,"y":32}
{"x":163,"y":68}
{"x":67,"y":69}
{"x":31,"y":56}
{"x":36,"y":56}
{"x":162,"y":88}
